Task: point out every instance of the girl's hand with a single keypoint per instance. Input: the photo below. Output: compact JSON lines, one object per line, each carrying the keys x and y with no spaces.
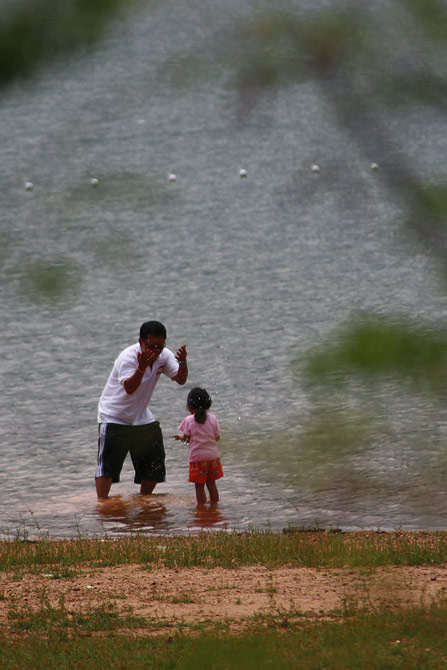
{"x":181,"y":437}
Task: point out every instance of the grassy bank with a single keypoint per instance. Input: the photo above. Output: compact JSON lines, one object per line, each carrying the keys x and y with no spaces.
{"x":53,"y":635}
{"x":380,"y":641}
{"x":232,"y":550}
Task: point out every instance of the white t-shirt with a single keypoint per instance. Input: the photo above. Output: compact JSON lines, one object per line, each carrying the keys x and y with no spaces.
{"x":203,"y":437}
{"x":118,"y":406}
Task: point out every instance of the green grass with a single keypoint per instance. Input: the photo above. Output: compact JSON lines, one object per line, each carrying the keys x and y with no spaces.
{"x":293,"y":548}
{"x":60,"y":620}
{"x":413,"y":639}
{"x":53,"y":636}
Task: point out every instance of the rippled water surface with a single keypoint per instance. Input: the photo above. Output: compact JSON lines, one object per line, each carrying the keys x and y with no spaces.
{"x":248,"y":272}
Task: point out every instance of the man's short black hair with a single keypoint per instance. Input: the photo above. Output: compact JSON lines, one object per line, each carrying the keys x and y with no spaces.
{"x":154,"y":328}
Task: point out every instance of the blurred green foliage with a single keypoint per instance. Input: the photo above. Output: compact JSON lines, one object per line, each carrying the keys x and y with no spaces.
{"x":376,"y":346}
{"x":52,"y":280}
{"x":368,"y":61}
{"x":431,"y":15}
{"x":34,"y":33}
{"x":365,"y":61}
{"x":279,"y":46}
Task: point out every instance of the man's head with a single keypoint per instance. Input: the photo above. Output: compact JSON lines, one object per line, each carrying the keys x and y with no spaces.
{"x":152,"y":336}
{"x":154,"y":328}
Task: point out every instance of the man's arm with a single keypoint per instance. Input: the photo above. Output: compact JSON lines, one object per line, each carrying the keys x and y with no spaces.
{"x":132,"y":383}
{"x":182,"y":374}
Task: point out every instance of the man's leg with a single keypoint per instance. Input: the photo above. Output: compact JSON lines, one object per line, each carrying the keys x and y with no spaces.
{"x":103,"y":485}
{"x":147,"y":486}
{"x":112,"y":450}
{"x":148,"y":456}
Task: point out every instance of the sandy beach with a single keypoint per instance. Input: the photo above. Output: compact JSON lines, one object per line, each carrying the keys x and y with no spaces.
{"x":170,"y":597}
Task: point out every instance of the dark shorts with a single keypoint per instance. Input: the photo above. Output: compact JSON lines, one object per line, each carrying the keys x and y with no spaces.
{"x":145,"y":445}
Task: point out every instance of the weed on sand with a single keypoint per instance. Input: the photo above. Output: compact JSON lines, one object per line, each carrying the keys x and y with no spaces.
{"x":59,"y":619}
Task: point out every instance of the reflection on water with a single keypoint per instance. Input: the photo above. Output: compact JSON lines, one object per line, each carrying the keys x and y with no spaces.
{"x":135,"y":514}
{"x":209,"y":516}
{"x":158,"y":513}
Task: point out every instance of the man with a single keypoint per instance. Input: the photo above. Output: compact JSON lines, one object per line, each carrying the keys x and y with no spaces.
{"x":126,"y":423}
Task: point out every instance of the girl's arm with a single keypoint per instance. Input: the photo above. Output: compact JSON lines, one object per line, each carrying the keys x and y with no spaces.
{"x":181,"y":437}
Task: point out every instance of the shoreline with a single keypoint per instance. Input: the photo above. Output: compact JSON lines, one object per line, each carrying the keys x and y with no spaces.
{"x":292,"y":531}
{"x":44,"y":536}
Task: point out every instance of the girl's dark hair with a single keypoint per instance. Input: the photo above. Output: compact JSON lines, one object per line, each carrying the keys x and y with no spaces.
{"x":199,"y":400}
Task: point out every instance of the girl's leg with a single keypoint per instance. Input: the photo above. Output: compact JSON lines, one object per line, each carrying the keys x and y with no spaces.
{"x":212,"y":488}
{"x":200,"y":493}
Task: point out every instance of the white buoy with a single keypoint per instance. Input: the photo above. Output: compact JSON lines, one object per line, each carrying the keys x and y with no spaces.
{"x":242,"y":173}
{"x":374,"y":166}
{"x":94,"y":183}
{"x":172,"y":177}
{"x":29,"y":186}
{"x":315,"y":168}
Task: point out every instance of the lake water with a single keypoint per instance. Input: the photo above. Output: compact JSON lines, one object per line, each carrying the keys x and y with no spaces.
{"x":248,"y":272}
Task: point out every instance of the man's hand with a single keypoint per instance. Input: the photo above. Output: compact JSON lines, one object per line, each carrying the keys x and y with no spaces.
{"x":151,"y":349}
{"x":147,"y":358}
{"x":181,"y":354}
{"x":182,"y":374}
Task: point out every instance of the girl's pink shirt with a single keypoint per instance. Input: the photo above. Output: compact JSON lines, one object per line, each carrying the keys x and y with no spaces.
{"x":202,"y":442}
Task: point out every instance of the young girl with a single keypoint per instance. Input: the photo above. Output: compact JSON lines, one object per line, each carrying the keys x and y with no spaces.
{"x":201,"y":431}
